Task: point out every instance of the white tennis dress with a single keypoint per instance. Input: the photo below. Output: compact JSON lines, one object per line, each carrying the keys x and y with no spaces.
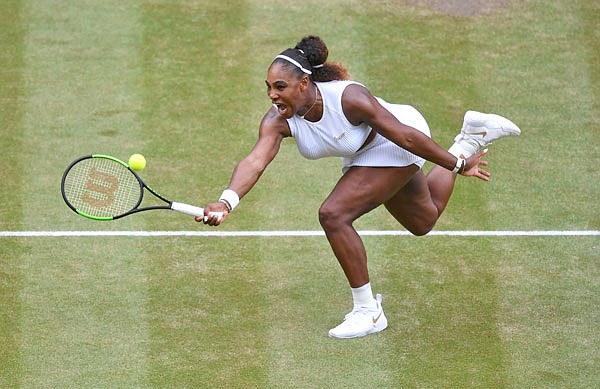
{"x":335,"y":136}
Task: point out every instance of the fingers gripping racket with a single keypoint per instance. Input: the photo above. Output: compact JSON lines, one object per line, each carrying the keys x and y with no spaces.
{"x":101,"y":187}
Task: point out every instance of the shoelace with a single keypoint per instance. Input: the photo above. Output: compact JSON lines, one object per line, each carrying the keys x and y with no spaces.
{"x":357,"y":309}
{"x":361,"y":311}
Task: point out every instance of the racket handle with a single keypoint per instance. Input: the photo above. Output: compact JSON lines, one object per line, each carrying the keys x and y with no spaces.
{"x":186,"y":208}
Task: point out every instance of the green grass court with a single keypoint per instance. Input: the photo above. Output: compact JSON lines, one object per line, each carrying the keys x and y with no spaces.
{"x":182,"y":82}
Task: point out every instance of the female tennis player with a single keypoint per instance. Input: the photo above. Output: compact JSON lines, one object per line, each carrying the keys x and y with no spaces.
{"x":383,"y":148}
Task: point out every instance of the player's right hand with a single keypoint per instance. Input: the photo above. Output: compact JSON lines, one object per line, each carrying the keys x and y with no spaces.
{"x":214,"y":214}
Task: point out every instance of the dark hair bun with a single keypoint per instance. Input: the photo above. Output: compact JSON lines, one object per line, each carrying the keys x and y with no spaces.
{"x":314,"y":49}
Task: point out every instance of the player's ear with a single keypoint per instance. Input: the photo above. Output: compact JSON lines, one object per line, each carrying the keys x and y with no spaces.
{"x":304,"y":81}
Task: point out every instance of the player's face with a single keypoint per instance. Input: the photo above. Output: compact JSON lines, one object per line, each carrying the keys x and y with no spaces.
{"x":284,"y":88}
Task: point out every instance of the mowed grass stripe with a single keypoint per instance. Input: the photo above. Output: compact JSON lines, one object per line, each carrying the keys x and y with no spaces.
{"x":435,"y":74}
{"x":537,"y":76}
{"x":548,"y":311}
{"x":83,"y":318}
{"x":208,"y":326}
{"x":12,"y":96}
{"x":546,"y":302}
{"x":12,"y":107}
{"x":304,"y":285}
{"x":84,"y":315}
{"x":590,"y":15}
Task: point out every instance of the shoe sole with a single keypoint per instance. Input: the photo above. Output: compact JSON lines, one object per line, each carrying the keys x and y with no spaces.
{"x":382,"y":325}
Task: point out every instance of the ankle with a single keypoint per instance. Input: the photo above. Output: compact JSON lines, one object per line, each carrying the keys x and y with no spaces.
{"x":462,"y":148}
{"x":363,"y":296}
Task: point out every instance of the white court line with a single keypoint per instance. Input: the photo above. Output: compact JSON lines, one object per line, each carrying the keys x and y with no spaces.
{"x":8,"y":234}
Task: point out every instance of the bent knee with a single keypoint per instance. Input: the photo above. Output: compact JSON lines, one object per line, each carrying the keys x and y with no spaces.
{"x":419,"y":224}
{"x":327,"y":215}
{"x":331,"y":216}
{"x":420,"y":229}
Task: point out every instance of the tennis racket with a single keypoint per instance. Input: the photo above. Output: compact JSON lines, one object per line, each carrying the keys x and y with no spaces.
{"x":101,"y":187}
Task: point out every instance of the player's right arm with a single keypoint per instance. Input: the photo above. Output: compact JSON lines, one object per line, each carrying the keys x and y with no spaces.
{"x":273,"y":128}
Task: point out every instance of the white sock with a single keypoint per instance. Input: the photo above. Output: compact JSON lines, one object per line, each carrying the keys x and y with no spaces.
{"x":462,"y":149}
{"x":363,"y":296}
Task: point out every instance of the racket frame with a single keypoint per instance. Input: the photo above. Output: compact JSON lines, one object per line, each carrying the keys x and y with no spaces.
{"x":181,"y":207}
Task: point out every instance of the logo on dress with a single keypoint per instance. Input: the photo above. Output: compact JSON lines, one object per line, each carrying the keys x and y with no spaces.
{"x":340,"y":136}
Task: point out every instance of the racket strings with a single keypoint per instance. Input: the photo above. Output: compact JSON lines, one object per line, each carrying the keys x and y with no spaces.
{"x":101,"y":187}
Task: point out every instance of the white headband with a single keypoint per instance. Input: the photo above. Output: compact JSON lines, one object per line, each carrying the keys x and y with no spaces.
{"x":291,"y":60}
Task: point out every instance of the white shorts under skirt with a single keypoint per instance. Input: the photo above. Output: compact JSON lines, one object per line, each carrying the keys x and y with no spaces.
{"x":381,"y":152}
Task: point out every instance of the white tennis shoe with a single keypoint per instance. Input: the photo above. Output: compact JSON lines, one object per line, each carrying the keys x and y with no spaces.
{"x":481,"y":129}
{"x":360,"y":322}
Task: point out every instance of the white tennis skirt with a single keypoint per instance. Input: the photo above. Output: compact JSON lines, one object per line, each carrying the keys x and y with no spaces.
{"x":381,"y":152}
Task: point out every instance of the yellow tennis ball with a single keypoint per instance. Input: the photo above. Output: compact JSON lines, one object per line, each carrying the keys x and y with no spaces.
{"x":137,"y":162}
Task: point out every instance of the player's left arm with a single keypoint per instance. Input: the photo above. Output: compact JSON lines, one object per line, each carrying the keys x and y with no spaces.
{"x":360,"y":106}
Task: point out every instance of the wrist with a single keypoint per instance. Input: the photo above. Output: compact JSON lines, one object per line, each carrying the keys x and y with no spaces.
{"x":230,"y":199}
{"x":460,"y":166}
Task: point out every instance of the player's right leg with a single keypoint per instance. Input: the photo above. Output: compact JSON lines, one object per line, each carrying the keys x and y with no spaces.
{"x":419,"y":204}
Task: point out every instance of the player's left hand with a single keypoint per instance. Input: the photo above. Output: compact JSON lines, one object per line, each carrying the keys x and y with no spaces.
{"x":473,"y":168}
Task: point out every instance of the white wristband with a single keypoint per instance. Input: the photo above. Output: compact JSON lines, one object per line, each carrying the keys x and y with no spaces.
{"x":460,"y":165}
{"x":230,"y":198}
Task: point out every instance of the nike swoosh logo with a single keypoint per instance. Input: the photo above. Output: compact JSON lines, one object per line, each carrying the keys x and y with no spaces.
{"x":482,"y":133}
{"x":340,"y":136}
{"x":376,"y":319}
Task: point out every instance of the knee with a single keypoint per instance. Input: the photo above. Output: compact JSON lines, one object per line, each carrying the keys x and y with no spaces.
{"x":421,"y":228}
{"x":331,"y":216}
